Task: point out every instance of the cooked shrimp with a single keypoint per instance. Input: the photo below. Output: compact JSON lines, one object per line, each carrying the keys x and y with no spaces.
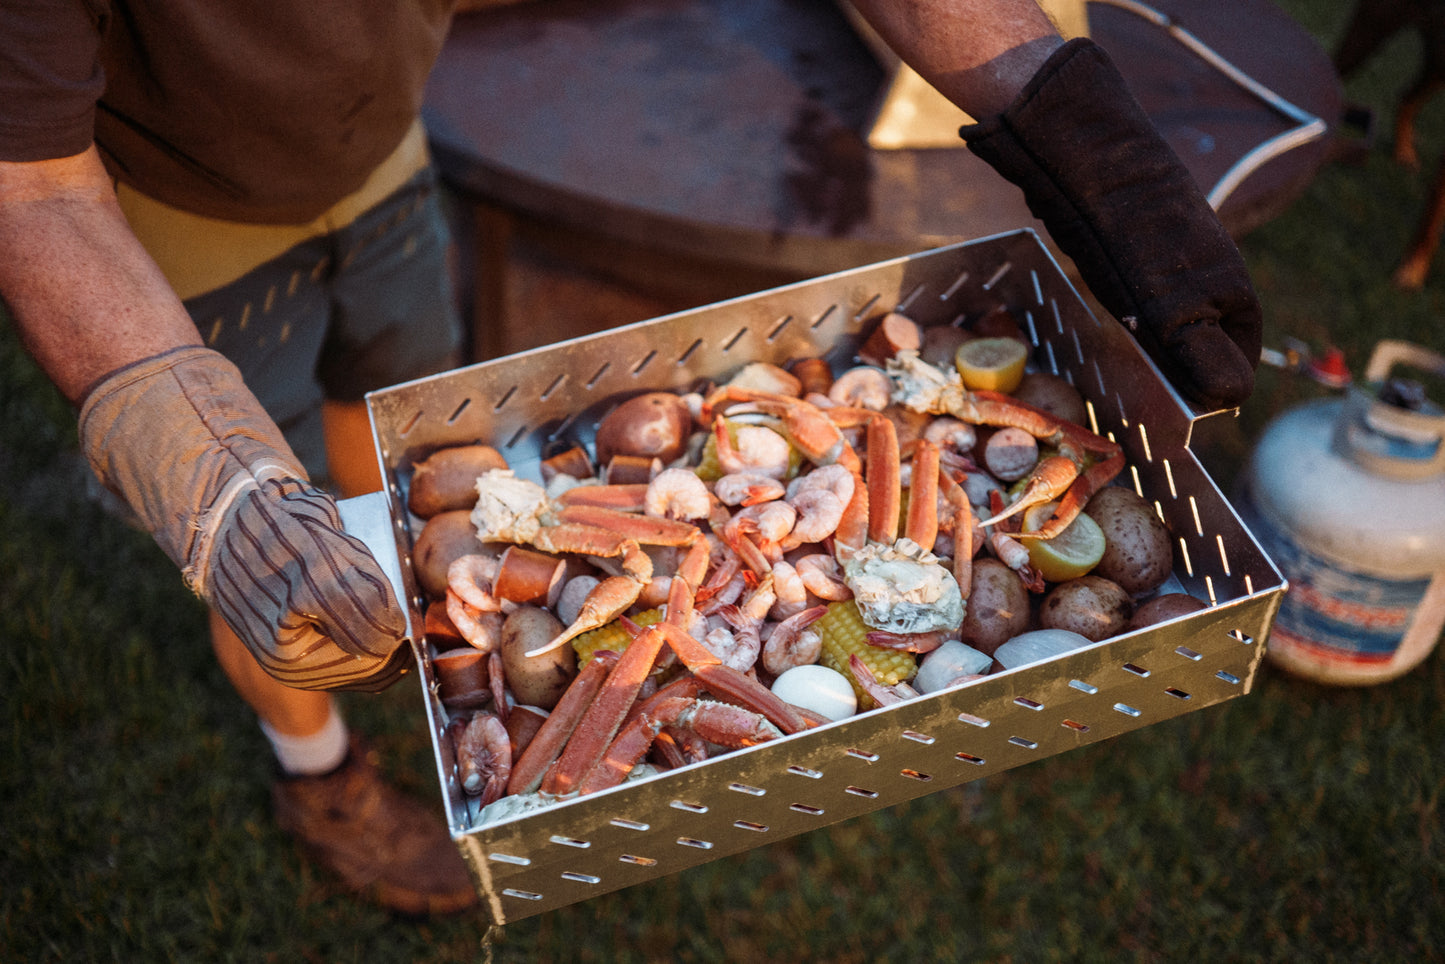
{"x":793,"y":643}
{"x":767,"y":522}
{"x":677,"y":494}
{"x":759,"y":449}
{"x":820,"y":497}
{"x":471,"y":577}
{"x":862,"y":387}
{"x":948,"y":432}
{"x":792,"y":593}
{"x":823,"y":576}
{"x":747,"y":488}
{"x":747,"y":618}
{"x":740,"y":654}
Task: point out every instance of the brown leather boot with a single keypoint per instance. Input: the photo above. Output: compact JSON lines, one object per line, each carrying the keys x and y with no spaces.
{"x":385,"y":845}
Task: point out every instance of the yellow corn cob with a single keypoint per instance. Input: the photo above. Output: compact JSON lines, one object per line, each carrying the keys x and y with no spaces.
{"x":611,"y":636}
{"x":843,"y":632}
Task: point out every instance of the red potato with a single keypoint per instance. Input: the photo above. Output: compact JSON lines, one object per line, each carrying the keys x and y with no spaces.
{"x":1164,"y":607}
{"x":651,"y":425}
{"x":1091,"y":606}
{"x":997,"y":609}
{"x":445,"y":537}
{"x":447,"y":479}
{"x":536,"y":680}
{"x":1054,"y":395}
{"x":1138,"y":555}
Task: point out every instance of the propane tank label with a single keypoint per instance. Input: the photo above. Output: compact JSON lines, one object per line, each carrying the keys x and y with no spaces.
{"x":1336,"y":616}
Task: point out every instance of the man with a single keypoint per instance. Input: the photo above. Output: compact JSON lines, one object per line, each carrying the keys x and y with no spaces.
{"x":216,"y":225}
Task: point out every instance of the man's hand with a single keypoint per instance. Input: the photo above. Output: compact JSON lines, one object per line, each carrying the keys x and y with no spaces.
{"x":187,"y":445}
{"x":1118,"y":201}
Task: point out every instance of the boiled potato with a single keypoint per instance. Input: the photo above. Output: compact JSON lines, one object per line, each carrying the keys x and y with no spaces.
{"x":998,"y":606}
{"x":1091,"y":606}
{"x":445,"y":536}
{"x":447,"y":479}
{"x":1137,"y":555}
{"x":536,"y":680}
{"x":650,"y":425}
{"x":1054,"y":395}
{"x":1165,"y":606}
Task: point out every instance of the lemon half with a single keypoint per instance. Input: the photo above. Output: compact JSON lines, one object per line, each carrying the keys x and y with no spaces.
{"x":1068,"y":555}
{"x":991,"y":364}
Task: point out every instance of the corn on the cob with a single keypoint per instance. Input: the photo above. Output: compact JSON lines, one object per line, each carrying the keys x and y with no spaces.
{"x":843,"y":630}
{"x":611,"y":636}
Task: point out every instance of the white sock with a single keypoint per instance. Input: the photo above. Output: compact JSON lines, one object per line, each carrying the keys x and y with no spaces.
{"x":320,"y":752}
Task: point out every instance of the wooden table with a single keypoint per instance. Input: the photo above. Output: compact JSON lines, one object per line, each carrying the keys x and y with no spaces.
{"x":660,"y":154}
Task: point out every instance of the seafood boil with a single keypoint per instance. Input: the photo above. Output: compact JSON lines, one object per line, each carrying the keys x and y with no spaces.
{"x":856,"y":523}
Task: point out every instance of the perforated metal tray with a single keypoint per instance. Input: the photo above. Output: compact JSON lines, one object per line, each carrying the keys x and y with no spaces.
{"x":530,"y":404}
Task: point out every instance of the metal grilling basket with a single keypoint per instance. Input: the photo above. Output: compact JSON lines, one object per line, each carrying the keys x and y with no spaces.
{"x":534,"y":403}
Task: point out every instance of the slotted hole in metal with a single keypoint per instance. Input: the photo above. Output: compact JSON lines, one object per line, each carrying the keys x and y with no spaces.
{"x":862,"y":755}
{"x":626,"y":824}
{"x":860,"y":791}
{"x":862,"y":312}
{"x":952,"y":289}
{"x":1027,"y":703}
{"x":1135,"y":669}
{"x":972,"y":720}
{"x":805,"y":808}
{"x":998,"y":275}
{"x":749,"y":790}
{"x":457,"y":412}
{"x":521,"y":894}
{"x":644,"y":362}
{"x":516,"y":437}
{"x":1188,"y":653}
{"x":1144,"y":442}
{"x":733,"y":340}
{"x":597,"y":375}
{"x":1228,"y":677}
{"x":500,"y":403}
{"x":917,"y":737}
{"x":811,"y":774}
{"x":915,"y":775}
{"x":1223,"y":553}
{"x":826,"y":314}
{"x":1240,"y":635}
{"x":695,"y":843}
{"x":1126,"y":709}
{"x":689,"y":807}
{"x":556,"y":384}
{"x":1024,"y":742}
{"x":969,"y":758}
{"x":1083,"y":687}
{"x":562,"y":427}
{"x":750,"y":825}
{"x":639,"y":861}
{"x":1178,"y":694}
{"x":908,"y":301}
{"x":410,"y":424}
{"x":1075,"y":725}
{"x":570,"y":841}
{"x":502,"y":858}
{"x":1033,"y":329}
{"x":1038,"y":289}
{"x":779,"y":327}
{"x":580,"y":878}
{"x":682,"y":359}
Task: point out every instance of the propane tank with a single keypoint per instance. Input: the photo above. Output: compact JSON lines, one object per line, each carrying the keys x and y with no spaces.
{"x":1347,"y":496}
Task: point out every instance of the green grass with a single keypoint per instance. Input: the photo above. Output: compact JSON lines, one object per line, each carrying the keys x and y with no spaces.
{"x":1298,"y":823}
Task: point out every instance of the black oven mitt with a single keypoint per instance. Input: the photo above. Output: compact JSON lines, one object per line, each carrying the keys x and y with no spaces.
{"x":1121,"y":204}
{"x":181,"y":438}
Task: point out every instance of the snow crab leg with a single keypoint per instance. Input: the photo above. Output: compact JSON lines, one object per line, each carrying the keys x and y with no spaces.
{"x":1085,"y":461}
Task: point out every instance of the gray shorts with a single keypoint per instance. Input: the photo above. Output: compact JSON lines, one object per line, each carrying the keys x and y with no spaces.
{"x":340,"y":314}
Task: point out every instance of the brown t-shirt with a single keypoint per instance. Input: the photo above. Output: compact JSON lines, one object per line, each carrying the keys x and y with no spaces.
{"x":262,"y":111}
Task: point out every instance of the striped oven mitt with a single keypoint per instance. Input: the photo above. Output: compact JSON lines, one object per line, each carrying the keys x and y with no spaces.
{"x":1125,"y":209}
{"x":181,"y":438}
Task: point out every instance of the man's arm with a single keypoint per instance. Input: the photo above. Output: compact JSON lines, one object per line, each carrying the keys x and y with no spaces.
{"x":171,"y":426}
{"x":1058,"y":120}
{"x":977,"y":53}
{"x":86,"y":297}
